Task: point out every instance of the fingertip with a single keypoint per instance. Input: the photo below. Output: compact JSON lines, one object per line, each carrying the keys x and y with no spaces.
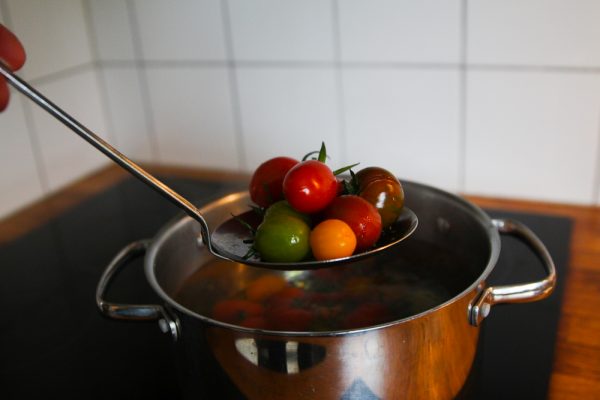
{"x":12,"y":51}
{"x":4,"y":94}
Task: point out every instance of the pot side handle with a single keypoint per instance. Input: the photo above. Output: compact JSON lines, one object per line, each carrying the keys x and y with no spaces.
{"x":131,"y":312}
{"x":520,"y":293}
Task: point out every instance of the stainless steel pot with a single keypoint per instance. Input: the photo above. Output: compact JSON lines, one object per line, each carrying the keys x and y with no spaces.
{"x":427,"y":355}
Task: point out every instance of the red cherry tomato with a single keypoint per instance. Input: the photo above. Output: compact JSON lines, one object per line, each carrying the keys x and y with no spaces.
{"x":362,"y":217}
{"x":289,"y":319}
{"x":266,"y":185}
{"x":310,"y":186}
{"x":236,"y":311}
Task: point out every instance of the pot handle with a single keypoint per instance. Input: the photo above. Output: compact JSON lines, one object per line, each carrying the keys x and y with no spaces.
{"x":131,"y":312}
{"x":520,"y":293}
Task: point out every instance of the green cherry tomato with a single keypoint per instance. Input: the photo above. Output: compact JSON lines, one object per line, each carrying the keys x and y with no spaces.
{"x":282,"y":238}
{"x":284,"y":208}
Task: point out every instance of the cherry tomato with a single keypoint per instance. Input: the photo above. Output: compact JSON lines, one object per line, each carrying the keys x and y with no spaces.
{"x":264,"y":287}
{"x":282,"y":207}
{"x":282,"y":238}
{"x":285,"y":296}
{"x":266,"y":185}
{"x":310,"y":186}
{"x":362,"y":217}
{"x":236,"y":311}
{"x":370,"y":174}
{"x":382,"y":189}
{"x":289,"y":319}
{"x":332,"y":239}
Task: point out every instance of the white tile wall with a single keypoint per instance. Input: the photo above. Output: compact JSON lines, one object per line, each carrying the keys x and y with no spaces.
{"x":405,"y":120}
{"x":282,"y":30}
{"x":533,"y":135}
{"x":192,"y":113}
{"x":489,"y":97}
{"x":65,"y":156}
{"x":289,"y":112}
{"x":534,"y":32}
{"x":54,"y":34}
{"x":129,"y":126}
{"x":400,"y":31}
{"x":113,"y":30}
{"x":180,"y":29}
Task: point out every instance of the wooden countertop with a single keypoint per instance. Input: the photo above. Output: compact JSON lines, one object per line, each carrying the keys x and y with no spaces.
{"x":576,"y":369}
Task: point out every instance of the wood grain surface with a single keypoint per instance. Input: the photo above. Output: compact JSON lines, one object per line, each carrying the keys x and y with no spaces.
{"x":576,"y":368}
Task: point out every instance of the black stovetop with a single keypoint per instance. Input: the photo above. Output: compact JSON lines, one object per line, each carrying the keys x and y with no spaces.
{"x":55,"y":344}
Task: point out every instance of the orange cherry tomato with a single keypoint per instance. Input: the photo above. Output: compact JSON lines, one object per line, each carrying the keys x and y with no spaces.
{"x":265,"y":286}
{"x":331,"y":239}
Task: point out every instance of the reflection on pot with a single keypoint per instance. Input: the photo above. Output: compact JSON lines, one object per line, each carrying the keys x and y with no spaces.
{"x":288,"y":357}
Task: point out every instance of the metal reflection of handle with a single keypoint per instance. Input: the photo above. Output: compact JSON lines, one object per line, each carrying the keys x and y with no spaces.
{"x":108,"y":150}
{"x":132,"y":312}
{"x":520,"y":293}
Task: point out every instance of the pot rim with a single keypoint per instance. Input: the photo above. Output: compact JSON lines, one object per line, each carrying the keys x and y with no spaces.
{"x":480,"y":216}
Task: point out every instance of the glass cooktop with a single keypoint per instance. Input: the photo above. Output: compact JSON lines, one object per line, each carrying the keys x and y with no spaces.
{"x":55,"y":344}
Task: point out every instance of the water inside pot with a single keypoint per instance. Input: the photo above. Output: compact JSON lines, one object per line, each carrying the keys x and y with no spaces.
{"x":418,"y":276}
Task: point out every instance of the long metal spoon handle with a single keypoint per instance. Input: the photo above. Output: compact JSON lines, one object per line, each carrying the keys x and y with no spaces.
{"x":107,"y":149}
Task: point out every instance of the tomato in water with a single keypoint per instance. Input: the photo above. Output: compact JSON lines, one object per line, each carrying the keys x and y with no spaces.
{"x":362,"y":217}
{"x":236,"y":311}
{"x":310,"y":186}
{"x":289,"y":319}
{"x":382,"y":189}
{"x":264,"y":287}
{"x":331,"y":239}
{"x":266,"y":185}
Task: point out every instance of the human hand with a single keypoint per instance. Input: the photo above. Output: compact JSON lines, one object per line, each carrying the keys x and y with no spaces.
{"x":12,"y":54}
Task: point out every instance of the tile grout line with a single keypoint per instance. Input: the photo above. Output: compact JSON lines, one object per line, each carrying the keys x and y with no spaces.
{"x":462,"y":102}
{"x":64,"y":73}
{"x":142,"y":75}
{"x":240,"y":64}
{"x":32,"y":133}
{"x":234,"y":85}
{"x":99,"y":73}
{"x":339,"y":82}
